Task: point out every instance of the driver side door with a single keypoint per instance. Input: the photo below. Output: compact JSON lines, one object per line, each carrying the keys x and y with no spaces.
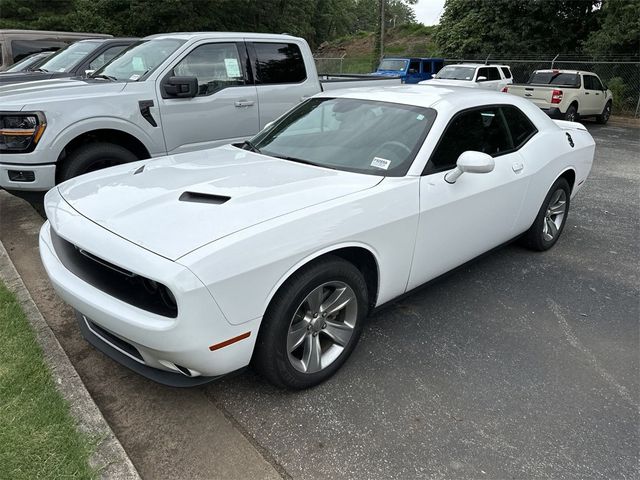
{"x":478,"y":212}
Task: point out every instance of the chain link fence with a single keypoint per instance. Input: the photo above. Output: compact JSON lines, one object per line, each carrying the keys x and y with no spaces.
{"x":621,"y":75}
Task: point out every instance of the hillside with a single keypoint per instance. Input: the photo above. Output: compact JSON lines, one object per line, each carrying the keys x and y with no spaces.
{"x":357,"y":50}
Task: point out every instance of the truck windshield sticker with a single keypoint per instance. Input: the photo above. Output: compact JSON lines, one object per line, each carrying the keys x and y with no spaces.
{"x":233,"y":69}
{"x":382,"y":163}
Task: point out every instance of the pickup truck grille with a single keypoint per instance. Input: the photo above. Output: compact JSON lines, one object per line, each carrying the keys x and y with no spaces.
{"x":118,"y":282}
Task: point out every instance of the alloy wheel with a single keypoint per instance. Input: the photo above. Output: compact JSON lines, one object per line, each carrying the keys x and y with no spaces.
{"x":554,"y":215}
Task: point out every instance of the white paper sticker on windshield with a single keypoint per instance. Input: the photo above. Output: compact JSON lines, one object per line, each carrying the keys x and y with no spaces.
{"x":233,"y":69}
{"x":137,"y":63}
{"x":382,"y":163}
{"x":420,"y":117}
{"x":134,"y":77}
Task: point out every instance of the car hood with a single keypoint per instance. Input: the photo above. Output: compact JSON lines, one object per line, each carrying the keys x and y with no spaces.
{"x":179,"y":203}
{"x":14,"y":96}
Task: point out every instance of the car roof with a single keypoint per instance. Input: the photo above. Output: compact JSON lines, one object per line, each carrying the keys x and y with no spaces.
{"x":556,"y":70}
{"x":475,"y":65}
{"x":424,"y":95}
{"x":214,"y":35}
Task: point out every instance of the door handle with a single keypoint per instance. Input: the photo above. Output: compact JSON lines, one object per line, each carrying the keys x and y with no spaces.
{"x":586,"y":93}
{"x":243,"y":103}
{"x":517,"y":167}
{"x":597,"y":93}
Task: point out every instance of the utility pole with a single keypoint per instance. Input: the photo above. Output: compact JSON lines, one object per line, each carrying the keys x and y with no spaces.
{"x":378,"y":49}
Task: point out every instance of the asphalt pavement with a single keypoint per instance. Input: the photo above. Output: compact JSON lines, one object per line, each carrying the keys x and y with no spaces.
{"x":519,"y":365}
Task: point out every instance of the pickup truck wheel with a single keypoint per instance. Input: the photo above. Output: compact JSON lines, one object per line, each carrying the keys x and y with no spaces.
{"x":312,"y":325}
{"x":549,"y":223}
{"x":571,"y":115}
{"x":94,"y":156}
{"x":603,"y":118}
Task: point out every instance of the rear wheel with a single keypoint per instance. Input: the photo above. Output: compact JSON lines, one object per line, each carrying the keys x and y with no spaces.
{"x":94,"y":156}
{"x":549,"y":223}
{"x":312,"y":325}
{"x":603,"y":118}
{"x":571,"y":115}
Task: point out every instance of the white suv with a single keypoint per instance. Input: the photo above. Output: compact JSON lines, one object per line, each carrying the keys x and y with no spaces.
{"x":491,"y":77}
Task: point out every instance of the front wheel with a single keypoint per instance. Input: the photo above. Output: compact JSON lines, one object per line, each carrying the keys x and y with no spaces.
{"x":94,"y":156}
{"x":549,"y":223}
{"x":603,"y":118}
{"x":312,"y":325}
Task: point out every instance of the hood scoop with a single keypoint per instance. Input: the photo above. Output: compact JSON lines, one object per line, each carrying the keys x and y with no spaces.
{"x":196,"y":197}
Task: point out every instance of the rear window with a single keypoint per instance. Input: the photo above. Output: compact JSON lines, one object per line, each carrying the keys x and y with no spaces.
{"x":555,"y":78}
{"x":279,"y":63}
{"x":506,"y":71}
{"x":519,"y":124}
{"x":23,"y":48}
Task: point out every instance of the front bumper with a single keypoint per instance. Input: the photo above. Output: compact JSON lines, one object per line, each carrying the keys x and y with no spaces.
{"x":164,"y":348}
{"x":27,"y":178}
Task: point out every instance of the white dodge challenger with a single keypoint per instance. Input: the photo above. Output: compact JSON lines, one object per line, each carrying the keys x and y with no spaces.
{"x":189,"y":267}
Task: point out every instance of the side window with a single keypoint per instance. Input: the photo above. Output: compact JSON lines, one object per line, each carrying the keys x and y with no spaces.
{"x":482,"y":72}
{"x":597,"y":84}
{"x":506,"y":72}
{"x":426,"y":66}
{"x":23,"y":48}
{"x":279,"y":63}
{"x":519,"y":125}
{"x":105,"y":57}
{"x":494,"y":74}
{"x":480,"y":130}
{"x":215,"y":65}
{"x":414,"y":66}
{"x":437,"y":66}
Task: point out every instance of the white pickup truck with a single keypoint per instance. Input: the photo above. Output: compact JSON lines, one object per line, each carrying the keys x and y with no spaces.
{"x":567,"y":94}
{"x":168,"y":94}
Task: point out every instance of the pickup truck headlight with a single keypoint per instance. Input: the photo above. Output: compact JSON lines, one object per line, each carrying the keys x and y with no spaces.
{"x":20,"y":132}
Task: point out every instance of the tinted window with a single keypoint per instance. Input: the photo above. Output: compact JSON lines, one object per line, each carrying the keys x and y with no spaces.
{"x":437,"y":66}
{"x":279,"y":63}
{"x":414,"y":66}
{"x":519,"y":125}
{"x":480,"y":130}
{"x":506,"y":72}
{"x":105,"y":57}
{"x":215,"y":65}
{"x":493,"y":73}
{"x":592,"y":83}
{"x":426,"y":66}
{"x":24,"y":48}
{"x":555,"y":78}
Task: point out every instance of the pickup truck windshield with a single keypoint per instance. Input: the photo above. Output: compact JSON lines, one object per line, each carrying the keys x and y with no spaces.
{"x":65,"y":60}
{"x":139,"y":60}
{"x":454,"y":72}
{"x":364,"y":136}
{"x":389,"y":64}
{"x":555,"y":78}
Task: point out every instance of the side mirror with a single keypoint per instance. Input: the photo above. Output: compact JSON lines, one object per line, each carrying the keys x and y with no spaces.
{"x":180,"y":87}
{"x":481,"y":79}
{"x":88,"y":73}
{"x":268,"y":125}
{"x":470,"y":162}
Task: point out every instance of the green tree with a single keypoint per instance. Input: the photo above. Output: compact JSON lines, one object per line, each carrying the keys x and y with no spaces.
{"x":619,"y":32}
{"x":499,"y":27}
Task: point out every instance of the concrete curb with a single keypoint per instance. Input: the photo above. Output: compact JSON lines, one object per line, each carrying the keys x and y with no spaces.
{"x":109,"y":455}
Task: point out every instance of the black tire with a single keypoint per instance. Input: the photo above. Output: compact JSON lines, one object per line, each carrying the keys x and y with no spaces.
{"x":572,"y":115}
{"x":94,"y":156}
{"x":603,"y":118}
{"x":534,"y":238}
{"x":271,"y":357}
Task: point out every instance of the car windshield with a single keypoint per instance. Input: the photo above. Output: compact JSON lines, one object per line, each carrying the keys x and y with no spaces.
{"x":139,"y":60}
{"x":364,"y":136}
{"x":29,"y":62}
{"x":65,"y":60}
{"x":390,"y":64}
{"x":555,"y":78}
{"x":455,"y":72}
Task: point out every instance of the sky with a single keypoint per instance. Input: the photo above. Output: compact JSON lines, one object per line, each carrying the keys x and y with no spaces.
{"x":428,"y":11}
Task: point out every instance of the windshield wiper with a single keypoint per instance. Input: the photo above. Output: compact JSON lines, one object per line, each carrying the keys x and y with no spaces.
{"x":106,"y":77}
{"x":252,"y":147}
{"x":41,"y":70}
{"x":299,"y":160}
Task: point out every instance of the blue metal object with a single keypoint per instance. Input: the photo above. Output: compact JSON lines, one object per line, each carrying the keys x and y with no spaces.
{"x":410,"y":69}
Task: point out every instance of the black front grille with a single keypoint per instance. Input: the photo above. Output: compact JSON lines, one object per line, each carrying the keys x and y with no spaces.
{"x":116,"y":341}
{"x":118,"y":282}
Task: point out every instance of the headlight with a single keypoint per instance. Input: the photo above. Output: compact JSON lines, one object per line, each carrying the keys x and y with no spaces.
{"x":20,"y":132}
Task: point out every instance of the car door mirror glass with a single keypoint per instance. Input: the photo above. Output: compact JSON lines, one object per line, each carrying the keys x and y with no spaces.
{"x":470,"y":162}
{"x":180,"y":87}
